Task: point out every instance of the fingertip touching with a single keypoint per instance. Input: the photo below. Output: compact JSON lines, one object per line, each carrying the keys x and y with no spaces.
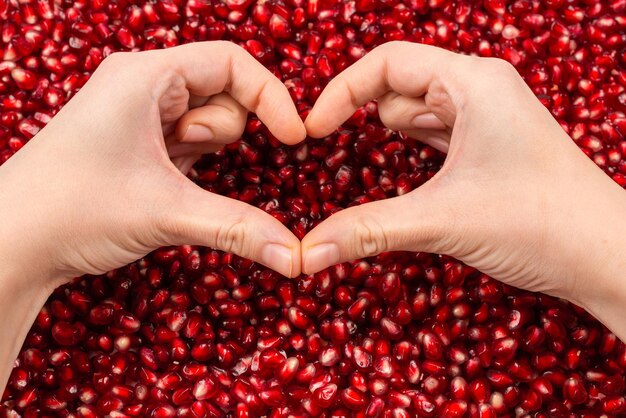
{"x":320,"y":256}
{"x":286,"y":260}
{"x":199,"y":217}
{"x":386,"y":68}
{"x":402,"y":223}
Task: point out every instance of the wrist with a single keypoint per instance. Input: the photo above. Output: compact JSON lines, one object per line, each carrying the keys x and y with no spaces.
{"x":606,"y":297}
{"x":27,"y":259}
{"x":601,"y":287}
{"x":22,"y":253}
{"x":599,"y":276}
{"x":27,"y":212}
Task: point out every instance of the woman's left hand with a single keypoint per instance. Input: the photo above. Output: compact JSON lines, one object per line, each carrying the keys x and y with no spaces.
{"x":103,"y":183}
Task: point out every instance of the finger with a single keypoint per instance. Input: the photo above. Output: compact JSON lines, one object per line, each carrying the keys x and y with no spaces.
{"x":411,"y":222}
{"x":184,"y":164}
{"x":175,"y":149}
{"x":221,"y":120}
{"x":209,"y":68}
{"x":178,"y":161}
{"x":182,"y":150}
{"x":436,"y":138}
{"x":382,"y":70}
{"x":403,"y":113}
{"x":197,"y":101}
{"x":203,"y":218}
{"x":427,"y":121}
{"x":412,"y":116}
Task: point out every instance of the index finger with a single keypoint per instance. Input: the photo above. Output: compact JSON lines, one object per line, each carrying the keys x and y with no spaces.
{"x":212,"y":67}
{"x":406,"y":68}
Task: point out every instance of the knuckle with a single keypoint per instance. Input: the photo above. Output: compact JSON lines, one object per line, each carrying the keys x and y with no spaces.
{"x":123,"y":68}
{"x":231,"y":237}
{"x":231,"y":47}
{"x":490,"y":76}
{"x":116,"y":61}
{"x":394,"y":45}
{"x":497,"y":68}
{"x":230,"y":118}
{"x":236,"y":130}
{"x":386,"y":113}
{"x":230,"y":130}
{"x":389,"y":48}
{"x":394,"y":49}
{"x":500,"y":64}
{"x":369,"y":237}
{"x":390,"y":118}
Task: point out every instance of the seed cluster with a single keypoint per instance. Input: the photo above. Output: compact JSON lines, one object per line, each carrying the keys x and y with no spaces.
{"x":193,"y":332}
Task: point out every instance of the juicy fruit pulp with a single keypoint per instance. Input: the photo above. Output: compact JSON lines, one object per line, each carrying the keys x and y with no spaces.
{"x":193,"y":332}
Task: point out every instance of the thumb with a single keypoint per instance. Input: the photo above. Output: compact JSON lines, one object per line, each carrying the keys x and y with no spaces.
{"x":203,"y":218}
{"x":410,"y":222}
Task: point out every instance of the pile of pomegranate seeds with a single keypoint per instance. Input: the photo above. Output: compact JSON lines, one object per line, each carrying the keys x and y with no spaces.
{"x":192,"y":332}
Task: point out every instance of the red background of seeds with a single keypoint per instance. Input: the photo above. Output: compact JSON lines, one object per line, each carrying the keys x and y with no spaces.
{"x":144,"y":337}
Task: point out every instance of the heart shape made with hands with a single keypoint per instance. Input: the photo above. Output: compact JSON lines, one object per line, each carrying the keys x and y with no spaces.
{"x":356,"y":232}
{"x":424,"y":97}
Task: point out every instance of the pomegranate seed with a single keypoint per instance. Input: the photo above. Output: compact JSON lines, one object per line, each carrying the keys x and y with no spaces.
{"x":25,"y":80}
{"x":574,"y":390}
{"x":353,"y":399}
{"x":189,"y":332}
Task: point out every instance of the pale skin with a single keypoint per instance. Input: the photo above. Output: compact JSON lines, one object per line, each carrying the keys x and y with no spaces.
{"x":515,"y":197}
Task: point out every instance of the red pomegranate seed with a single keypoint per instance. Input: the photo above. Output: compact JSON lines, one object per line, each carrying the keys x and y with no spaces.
{"x":353,"y":399}
{"x":414,"y":334}
{"x":574,"y":390}
{"x":25,"y":80}
{"x":324,"y":396}
{"x":329,"y":356}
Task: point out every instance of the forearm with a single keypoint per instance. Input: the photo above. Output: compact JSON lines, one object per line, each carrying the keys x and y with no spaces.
{"x":21,"y":298}
{"x":610,"y":307}
{"x":25,"y":271}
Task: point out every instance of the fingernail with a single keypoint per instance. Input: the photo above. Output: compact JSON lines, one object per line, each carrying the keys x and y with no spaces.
{"x":197,"y":133}
{"x":427,"y":120}
{"x":278,"y":257}
{"x":320,"y":256}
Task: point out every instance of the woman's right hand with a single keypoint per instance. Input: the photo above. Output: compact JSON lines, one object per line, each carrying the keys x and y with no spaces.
{"x":515,"y":197}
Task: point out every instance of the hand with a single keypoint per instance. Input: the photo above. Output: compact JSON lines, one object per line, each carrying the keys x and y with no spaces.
{"x":515,"y":197}
{"x":102,"y":184}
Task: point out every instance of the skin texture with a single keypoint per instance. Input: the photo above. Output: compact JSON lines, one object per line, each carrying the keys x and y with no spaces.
{"x":102,"y":184}
{"x":515,"y":197}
